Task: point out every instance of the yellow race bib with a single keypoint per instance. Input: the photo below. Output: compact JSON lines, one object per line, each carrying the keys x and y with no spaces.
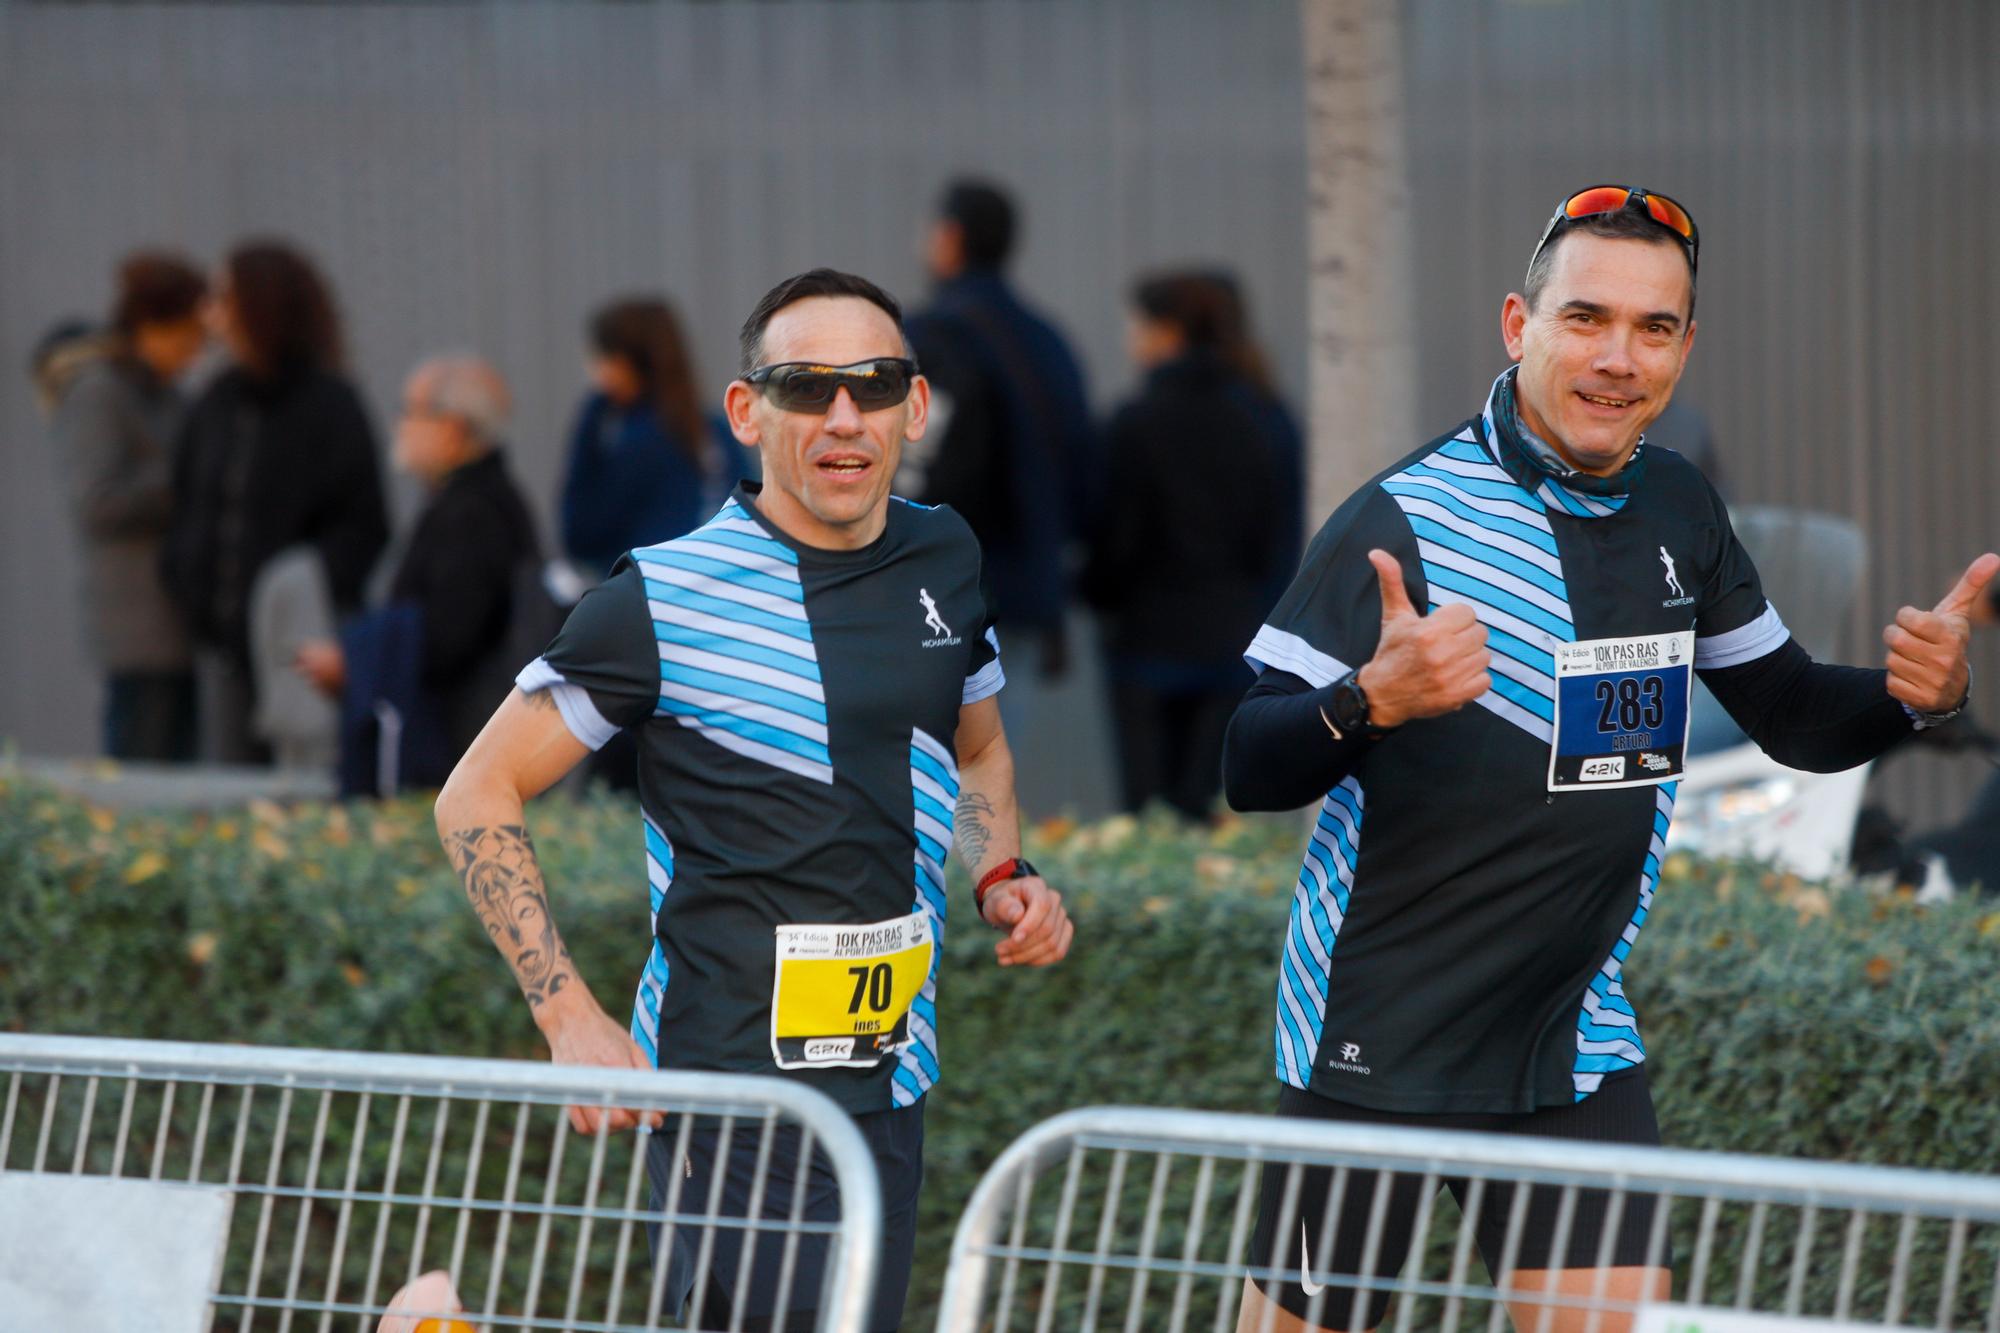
{"x":841,"y":995}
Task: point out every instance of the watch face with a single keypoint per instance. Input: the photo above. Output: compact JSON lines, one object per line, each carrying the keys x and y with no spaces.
{"x":1350,"y":706}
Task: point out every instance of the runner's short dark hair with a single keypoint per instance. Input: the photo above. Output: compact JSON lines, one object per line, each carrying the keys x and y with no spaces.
{"x":985,"y":217}
{"x":1622,"y":225}
{"x":800,"y":287}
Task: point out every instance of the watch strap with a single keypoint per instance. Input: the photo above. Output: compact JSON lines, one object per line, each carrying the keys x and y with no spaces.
{"x":1014,"y":867}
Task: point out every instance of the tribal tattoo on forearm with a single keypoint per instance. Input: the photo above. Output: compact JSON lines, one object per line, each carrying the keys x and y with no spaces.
{"x":972,"y":822}
{"x":501,"y":877}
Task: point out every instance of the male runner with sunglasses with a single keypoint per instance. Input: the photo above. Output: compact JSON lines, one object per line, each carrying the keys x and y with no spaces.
{"x":1478,"y":873}
{"x":812,"y":677}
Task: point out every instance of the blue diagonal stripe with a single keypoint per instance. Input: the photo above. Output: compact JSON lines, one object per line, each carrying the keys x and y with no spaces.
{"x":1499,"y":599}
{"x":675,"y":595}
{"x":743,"y":541}
{"x":935,"y":770}
{"x":1525,"y":696}
{"x":738,"y":688}
{"x":723,"y":646}
{"x":931,"y":806}
{"x":1452,"y":539}
{"x":1498,"y":488}
{"x":1527,"y":654}
{"x":1521,"y":528}
{"x":656,"y":847}
{"x":749,"y":729}
{"x":668,"y":555}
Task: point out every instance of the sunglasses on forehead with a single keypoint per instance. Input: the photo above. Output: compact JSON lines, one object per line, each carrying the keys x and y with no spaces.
{"x":1600,"y":199}
{"x":807,"y":386}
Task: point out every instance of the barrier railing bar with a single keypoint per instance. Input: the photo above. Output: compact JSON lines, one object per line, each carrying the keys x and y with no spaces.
{"x":346,"y":1215}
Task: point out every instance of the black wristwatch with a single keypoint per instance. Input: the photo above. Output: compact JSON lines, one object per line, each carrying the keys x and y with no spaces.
{"x":1346,"y":711}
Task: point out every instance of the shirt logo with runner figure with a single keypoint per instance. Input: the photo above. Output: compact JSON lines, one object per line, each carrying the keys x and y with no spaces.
{"x":1679,"y":595}
{"x":935,"y":622}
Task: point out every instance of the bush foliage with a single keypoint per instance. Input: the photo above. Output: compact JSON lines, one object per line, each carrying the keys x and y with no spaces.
{"x":1782,"y":1017}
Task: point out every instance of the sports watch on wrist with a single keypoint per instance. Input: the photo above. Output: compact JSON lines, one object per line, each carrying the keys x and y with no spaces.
{"x":1348,"y":703}
{"x":1014,"y":867}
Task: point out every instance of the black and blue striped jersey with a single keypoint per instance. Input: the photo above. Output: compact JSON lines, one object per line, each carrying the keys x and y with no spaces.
{"x":1471,"y":889}
{"x":795,"y":710}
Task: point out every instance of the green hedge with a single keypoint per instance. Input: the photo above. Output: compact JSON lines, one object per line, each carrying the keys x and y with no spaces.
{"x":1782,"y":1018}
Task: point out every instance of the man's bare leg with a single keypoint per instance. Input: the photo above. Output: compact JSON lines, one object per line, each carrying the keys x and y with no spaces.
{"x":1626,"y":1286}
{"x":1260,"y":1314}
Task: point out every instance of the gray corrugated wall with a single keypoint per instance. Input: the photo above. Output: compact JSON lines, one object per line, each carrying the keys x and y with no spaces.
{"x":482,"y":175}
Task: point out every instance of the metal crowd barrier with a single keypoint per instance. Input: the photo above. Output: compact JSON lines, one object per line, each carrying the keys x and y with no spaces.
{"x":351,"y":1173}
{"x":1141,"y":1219}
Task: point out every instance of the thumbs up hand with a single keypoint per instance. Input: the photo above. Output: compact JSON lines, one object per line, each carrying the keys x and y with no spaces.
{"x":1424,"y":666}
{"x":1927,"y":666}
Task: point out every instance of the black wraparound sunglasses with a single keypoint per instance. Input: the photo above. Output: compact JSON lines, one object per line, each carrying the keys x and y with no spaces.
{"x":808,"y":386}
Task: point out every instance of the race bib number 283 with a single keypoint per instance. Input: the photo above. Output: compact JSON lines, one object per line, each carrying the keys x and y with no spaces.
{"x":1621,"y":711}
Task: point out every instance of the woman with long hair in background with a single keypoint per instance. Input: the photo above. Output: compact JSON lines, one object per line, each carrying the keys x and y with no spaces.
{"x":646,"y":464}
{"x":278,"y":452}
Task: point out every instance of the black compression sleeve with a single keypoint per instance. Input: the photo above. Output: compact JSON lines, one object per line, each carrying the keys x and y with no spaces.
{"x":1279,"y":754}
{"x":1808,"y":714}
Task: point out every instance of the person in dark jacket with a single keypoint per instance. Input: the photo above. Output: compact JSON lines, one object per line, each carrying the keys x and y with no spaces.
{"x":458,"y":572}
{"x":1188,"y":547}
{"x":277,"y":452}
{"x":1240,"y":350}
{"x":645,"y":463}
{"x":1013,"y":448}
{"x":114,"y":425}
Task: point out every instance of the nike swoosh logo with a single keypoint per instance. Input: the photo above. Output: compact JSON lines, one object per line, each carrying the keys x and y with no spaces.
{"x":1306,"y":1283}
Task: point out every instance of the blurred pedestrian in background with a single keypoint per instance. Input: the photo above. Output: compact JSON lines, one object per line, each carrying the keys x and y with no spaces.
{"x":1011,"y":447}
{"x":646,"y":464}
{"x":116,"y":408}
{"x":435,"y":651}
{"x":277,"y":452}
{"x":1239,"y":349}
{"x":1187,"y":549}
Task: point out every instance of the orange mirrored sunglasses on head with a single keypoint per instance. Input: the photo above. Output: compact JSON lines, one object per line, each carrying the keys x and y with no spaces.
{"x":1599,"y":199}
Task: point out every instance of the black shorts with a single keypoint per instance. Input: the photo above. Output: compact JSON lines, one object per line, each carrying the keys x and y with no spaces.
{"x":1620,"y":1111}
{"x":897,"y":1140}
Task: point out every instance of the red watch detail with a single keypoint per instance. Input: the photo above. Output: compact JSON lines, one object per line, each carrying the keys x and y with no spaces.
{"x":1013,"y":867}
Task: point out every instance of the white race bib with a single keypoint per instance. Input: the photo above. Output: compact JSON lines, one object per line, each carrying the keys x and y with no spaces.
{"x":1621,"y":711}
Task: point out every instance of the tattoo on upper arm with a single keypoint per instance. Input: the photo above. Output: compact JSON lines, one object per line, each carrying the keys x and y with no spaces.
{"x":542,"y":699}
{"x":973,"y":823}
{"x":498,"y":869}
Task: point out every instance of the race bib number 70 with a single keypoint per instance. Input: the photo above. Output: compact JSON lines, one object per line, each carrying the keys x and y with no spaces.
{"x":841,"y":994}
{"x":1621,"y":711}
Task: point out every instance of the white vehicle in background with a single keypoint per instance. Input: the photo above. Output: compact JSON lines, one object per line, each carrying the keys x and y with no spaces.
{"x":1735,"y":801}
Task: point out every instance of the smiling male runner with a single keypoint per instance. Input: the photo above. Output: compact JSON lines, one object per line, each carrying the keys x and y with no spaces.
{"x":1478,"y":874}
{"x":811,"y":728}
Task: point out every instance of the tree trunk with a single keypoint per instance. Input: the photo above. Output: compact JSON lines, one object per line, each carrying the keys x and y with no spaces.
{"x":1361,"y":358}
